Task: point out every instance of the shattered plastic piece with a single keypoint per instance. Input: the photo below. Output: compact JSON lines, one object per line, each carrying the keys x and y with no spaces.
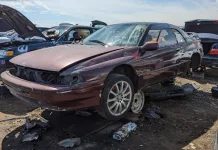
{"x":153,"y":113}
{"x":70,"y":142}
{"x":30,"y":137}
{"x":43,"y":125}
{"x":29,"y":125}
{"x":190,"y":88}
{"x":124,"y":131}
{"x":17,"y":135}
{"x":83,"y":113}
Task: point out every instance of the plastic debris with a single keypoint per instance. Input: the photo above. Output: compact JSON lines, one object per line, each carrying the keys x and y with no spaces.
{"x":83,"y":113}
{"x":185,"y":90}
{"x":43,"y":125}
{"x":30,"y":137}
{"x":67,"y":143}
{"x":29,"y":125}
{"x":122,"y":133}
{"x":17,"y":135}
{"x":153,"y":113}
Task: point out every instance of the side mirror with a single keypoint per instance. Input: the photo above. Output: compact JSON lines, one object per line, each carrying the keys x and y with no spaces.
{"x":150,"y":46}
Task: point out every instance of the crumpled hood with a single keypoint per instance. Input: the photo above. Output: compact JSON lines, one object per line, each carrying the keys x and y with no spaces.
{"x":58,"y":57}
{"x":24,"y":27}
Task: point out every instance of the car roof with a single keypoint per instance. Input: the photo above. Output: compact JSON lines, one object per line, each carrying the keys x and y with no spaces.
{"x":151,"y":23}
{"x":202,"y":20}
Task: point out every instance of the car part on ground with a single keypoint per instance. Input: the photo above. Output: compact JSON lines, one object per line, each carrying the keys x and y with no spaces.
{"x":69,"y":143}
{"x":138,"y":102}
{"x":185,"y":90}
{"x":168,"y":82}
{"x":153,"y":113}
{"x":214,"y":91}
{"x":106,"y":71}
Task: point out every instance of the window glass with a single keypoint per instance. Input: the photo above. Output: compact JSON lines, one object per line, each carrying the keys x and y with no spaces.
{"x":152,"y":36}
{"x":118,"y":35}
{"x":179,"y":37}
{"x":167,"y":38}
{"x":83,"y":33}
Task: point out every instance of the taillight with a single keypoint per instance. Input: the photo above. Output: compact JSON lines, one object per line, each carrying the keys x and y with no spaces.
{"x":214,"y":51}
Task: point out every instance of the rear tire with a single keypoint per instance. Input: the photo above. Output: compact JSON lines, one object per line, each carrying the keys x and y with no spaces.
{"x":116,"y":97}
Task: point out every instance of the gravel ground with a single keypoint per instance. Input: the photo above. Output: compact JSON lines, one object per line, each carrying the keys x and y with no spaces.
{"x":188,"y":123}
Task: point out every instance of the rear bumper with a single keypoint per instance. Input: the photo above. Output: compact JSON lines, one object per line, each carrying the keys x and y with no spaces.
{"x":210,"y":61}
{"x":52,"y":97}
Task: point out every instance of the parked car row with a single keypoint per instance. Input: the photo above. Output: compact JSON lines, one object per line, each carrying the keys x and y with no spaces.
{"x":207,"y":32}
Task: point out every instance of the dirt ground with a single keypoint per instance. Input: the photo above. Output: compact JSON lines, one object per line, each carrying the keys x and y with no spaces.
{"x":188,"y":123}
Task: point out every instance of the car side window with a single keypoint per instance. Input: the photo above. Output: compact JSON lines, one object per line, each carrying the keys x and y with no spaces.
{"x":179,"y":37}
{"x":83,"y":33}
{"x":152,"y":36}
{"x":167,"y":38}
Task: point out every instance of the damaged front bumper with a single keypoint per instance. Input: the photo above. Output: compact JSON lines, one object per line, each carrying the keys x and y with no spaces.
{"x":61,"y":98}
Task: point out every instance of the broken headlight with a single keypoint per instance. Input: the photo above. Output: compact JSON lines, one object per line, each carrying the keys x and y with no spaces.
{"x":71,"y":79}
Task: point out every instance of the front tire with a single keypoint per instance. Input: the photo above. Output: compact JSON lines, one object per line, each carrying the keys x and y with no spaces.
{"x":116,"y":97}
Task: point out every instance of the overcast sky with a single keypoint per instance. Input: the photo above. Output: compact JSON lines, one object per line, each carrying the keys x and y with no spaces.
{"x":53,"y":12}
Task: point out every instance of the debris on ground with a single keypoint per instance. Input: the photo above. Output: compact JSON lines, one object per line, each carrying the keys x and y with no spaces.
{"x":214,"y":91}
{"x":29,"y":125}
{"x":185,"y":90}
{"x":33,"y":129}
{"x":122,"y":133}
{"x":67,"y":143}
{"x":153,"y":113}
{"x":30,"y":137}
{"x":198,"y":75}
{"x":83,"y":113}
{"x":17,"y":135}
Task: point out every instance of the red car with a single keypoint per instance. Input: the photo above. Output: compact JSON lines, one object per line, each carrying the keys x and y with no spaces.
{"x":108,"y":72}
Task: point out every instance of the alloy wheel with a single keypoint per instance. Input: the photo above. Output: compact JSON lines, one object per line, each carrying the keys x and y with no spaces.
{"x":119,"y":98}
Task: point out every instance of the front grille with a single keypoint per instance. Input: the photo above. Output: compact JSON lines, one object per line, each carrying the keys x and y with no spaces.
{"x":44,"y":77}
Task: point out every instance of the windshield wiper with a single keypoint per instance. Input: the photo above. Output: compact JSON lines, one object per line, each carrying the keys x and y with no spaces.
{"x":99,"y":42}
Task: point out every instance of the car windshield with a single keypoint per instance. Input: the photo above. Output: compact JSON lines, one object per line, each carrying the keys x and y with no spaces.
{"x":118,"y":35}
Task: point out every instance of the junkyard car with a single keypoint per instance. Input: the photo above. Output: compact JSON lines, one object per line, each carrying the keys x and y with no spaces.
{"x":207,"y":31}
{"x":113,"y":64}
{"x":24,"y":36}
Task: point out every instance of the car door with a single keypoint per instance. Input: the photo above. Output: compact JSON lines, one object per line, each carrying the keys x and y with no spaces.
{"x":163,"y":61}
{"x":181,"y":57}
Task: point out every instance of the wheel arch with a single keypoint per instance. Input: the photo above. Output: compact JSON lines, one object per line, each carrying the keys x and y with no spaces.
{"x":129,"y":71}
{"x":195,"y":60}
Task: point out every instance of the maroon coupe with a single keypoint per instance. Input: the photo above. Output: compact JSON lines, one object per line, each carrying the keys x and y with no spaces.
{"x":107,"y":72}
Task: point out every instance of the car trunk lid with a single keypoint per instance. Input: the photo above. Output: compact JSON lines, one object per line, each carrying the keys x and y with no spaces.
{"x":23,"y":26}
